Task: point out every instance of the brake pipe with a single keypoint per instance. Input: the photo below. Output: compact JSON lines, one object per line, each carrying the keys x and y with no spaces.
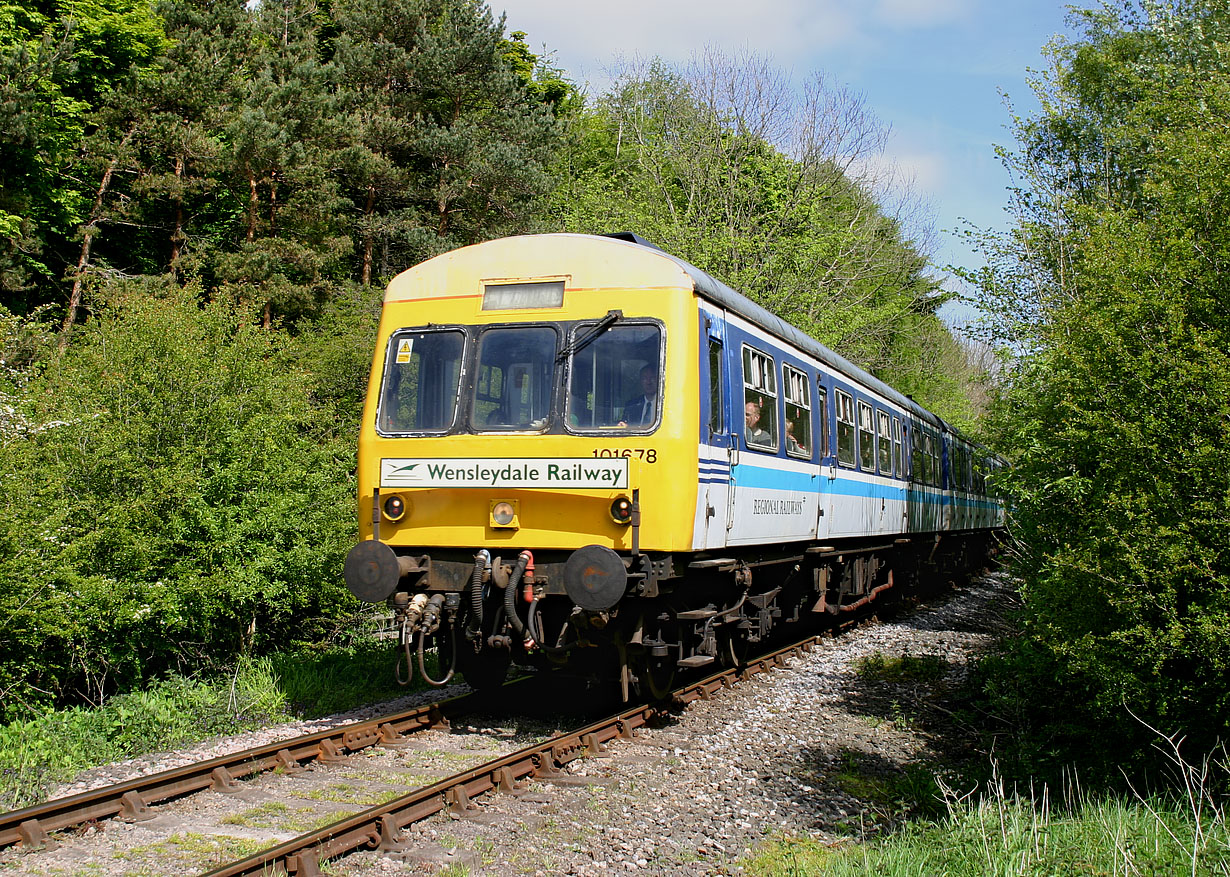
{"x":524,"y":559}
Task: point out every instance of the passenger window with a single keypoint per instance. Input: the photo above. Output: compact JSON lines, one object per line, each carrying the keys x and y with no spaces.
{"x":512,"y":391}
{"x":866,"y":438}
{"x":844,"y":403}
{"x":717,"y":418}
{"x":798,"y":412}
{"x":759,"y":400}
{"x":422,"y":374}
{"x":614,"y":382}
{"x":884,"y":441}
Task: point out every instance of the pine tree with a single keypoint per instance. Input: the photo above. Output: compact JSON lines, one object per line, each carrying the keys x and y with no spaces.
{"x":448,"y":147}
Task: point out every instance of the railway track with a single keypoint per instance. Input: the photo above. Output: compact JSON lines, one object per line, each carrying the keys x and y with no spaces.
{"x":317,"y":758}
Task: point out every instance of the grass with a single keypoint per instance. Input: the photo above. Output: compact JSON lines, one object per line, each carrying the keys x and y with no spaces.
{"x":998,"y":832}
{"x":878,"y":667}
{"x":39,"y":753}
{"x":911,"y":791}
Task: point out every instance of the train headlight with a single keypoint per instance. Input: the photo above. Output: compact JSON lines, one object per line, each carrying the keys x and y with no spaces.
{"x":504,"y":515}
{"x":621,"y":510}
{"x":394,"y":508}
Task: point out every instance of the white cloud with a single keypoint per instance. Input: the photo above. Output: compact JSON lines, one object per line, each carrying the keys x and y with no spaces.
{"x":588,"y":38}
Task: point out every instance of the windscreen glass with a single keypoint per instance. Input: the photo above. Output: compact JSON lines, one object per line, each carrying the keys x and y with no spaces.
{"x":614,"y":381}
{"x":422,"y":377}
{"x":512,"y":389}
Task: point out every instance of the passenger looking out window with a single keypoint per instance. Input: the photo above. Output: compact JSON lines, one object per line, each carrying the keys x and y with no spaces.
{"x":798,"y":411}
{"x":759,"y":400}
{"x":752,"y":432}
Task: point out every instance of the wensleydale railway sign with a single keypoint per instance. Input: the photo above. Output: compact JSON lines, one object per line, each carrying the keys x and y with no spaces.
{"x":549,"y":472}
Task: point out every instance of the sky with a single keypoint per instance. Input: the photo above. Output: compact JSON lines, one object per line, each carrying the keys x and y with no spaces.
{"x":934,"y":71}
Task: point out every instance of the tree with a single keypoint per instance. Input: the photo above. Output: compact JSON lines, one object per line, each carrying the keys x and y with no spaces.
{"x":1111,"y":287}
{"x":59,"y":62}
{"x":449,"y":146}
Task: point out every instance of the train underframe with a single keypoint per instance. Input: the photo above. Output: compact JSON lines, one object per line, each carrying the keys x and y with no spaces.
{"x":642,"y":620}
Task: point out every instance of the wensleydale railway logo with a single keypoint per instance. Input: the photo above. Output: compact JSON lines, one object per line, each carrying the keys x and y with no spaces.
{"x":551,"y":472}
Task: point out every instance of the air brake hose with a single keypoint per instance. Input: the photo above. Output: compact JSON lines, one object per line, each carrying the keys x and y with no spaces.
{"x":452,"y":663}
{"x":510,"y":593}
{"x":481,"y":561}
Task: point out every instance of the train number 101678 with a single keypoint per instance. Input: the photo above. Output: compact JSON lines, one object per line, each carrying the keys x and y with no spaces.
{"x":649,"y":455}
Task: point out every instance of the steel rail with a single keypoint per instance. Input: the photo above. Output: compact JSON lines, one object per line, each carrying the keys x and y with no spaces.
{"x":31,"y":826}
{"x":380,"y":827}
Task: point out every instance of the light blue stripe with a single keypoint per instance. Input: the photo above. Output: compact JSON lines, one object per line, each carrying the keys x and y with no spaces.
{"x":773,"y":479}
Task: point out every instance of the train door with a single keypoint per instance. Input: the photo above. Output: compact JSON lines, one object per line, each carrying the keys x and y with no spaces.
{"x":915,"y":493}
{"x":828,"y":462}
{"x":717,"y":448}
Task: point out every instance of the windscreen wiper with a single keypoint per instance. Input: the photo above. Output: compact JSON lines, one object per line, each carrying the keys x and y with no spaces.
{"x":582,"y":341}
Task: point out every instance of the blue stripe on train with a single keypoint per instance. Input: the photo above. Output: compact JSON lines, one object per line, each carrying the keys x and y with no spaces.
{"x":803,"y":482}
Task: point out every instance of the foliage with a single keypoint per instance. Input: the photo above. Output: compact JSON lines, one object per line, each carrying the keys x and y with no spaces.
{"x":58,"y":61}
{"x":184,"y":501}
{"x":272,"y":150}
{"x":1111,"y":288}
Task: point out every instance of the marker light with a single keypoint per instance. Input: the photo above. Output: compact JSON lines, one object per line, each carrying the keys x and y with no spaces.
{"x":504,"y":514}
{"x":621,"y":510}
{"x":394,"y":508}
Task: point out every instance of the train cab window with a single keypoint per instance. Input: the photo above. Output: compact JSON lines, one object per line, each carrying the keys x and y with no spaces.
{"x":512,"y":389}
{"x":884,"y":441}
{"x":798,"y":412}
{"x":422,"y":373}
{"x":844,"y":403}
{"x":759,"y":400}
{"x":866,"y":438}
{"x":615,"y":380}
{"x":897,"y":459}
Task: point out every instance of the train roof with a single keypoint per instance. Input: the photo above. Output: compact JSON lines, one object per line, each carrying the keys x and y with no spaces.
{"x":425,"y":280}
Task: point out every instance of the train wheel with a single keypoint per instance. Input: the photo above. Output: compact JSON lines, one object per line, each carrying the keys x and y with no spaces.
{"x":731,"y":646}
{"x":654,"y":676}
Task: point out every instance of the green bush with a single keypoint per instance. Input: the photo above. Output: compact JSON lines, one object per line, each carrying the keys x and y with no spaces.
{"x":183,"y":499}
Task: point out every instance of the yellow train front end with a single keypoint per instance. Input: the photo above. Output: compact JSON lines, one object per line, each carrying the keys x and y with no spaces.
{"x":527,"y":458}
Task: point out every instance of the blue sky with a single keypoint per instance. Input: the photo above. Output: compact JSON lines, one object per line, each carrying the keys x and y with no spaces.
{"x":932,"y":70}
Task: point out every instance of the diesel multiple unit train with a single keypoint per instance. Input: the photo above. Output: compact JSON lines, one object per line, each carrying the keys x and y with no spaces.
{"x":580,"y":450}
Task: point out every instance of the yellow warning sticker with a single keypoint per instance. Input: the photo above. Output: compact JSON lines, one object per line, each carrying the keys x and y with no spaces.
{"x":403,"y":350}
